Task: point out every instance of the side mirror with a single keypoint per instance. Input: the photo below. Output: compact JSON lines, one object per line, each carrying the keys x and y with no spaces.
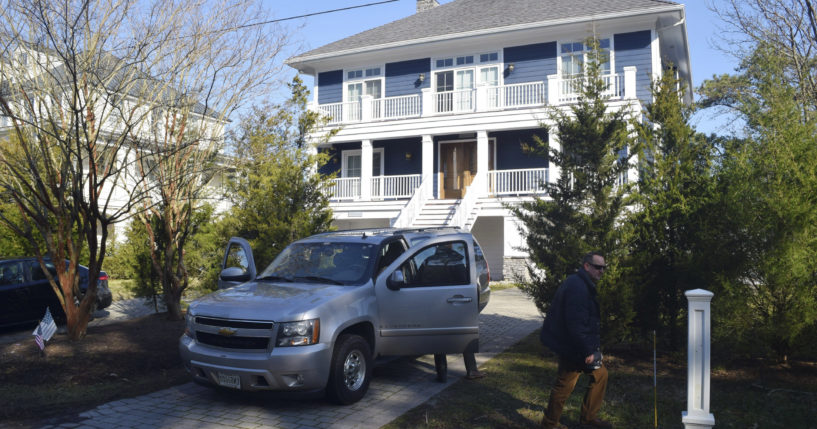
{"x":234,"y":274}
{"x":396,"y":280}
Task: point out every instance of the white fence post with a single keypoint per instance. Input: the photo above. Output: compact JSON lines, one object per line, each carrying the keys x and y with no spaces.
{"x":697,"y":415}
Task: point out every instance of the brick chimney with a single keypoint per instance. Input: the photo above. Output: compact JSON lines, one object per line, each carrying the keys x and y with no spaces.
{"x":426,"y":5}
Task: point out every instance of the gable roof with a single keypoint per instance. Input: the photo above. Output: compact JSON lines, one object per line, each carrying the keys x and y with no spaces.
{"x":473,"y":17}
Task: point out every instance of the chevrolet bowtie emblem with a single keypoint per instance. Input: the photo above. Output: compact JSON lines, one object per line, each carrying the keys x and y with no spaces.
{"x":226,"y":332}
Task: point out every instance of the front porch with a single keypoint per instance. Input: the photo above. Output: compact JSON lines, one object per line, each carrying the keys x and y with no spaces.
{"x":556,"y":91}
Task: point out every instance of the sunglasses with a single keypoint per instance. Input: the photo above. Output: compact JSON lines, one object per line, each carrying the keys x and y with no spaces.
{"x":598,"y":267}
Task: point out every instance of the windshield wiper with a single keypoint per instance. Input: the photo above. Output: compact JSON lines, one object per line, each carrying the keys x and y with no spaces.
{"x":319,"y":279}
{"x":275,"y":278}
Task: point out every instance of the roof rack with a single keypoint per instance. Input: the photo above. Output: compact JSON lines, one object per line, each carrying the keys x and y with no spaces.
{"x":387,"y":230}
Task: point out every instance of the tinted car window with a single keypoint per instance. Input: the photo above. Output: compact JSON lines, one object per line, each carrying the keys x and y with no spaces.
{"x":11,"y":273}
{"x":389,"y":253}
{"x":482,"y":266}
{"x":438,"y":265}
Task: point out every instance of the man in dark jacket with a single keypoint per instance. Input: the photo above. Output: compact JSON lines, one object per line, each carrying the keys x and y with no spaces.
{"x":572,"y":331}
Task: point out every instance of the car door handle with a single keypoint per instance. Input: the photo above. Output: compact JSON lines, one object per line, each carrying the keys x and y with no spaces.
{"x":458,"y":298}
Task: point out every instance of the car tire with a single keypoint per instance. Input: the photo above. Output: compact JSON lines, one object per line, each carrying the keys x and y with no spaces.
{"x":351,"y":370}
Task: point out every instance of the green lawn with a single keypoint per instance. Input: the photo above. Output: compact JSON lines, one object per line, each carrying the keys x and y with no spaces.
{"x":513,"y":395}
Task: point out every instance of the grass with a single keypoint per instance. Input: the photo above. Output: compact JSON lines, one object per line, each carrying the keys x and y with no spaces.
{"x":514,"y":393}
{"x":120,"y":289}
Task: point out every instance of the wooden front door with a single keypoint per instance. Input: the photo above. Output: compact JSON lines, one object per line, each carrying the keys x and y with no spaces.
{"x":458,"y":166}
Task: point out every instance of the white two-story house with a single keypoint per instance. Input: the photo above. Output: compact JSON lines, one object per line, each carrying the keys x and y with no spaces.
{"x":434,"y":109}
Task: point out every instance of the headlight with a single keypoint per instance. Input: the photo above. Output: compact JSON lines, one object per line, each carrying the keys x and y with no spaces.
{"x":189,"y":317}
{"x":301,"y":333}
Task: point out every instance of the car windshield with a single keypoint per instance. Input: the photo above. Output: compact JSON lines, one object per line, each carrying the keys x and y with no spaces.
{"x":322,"y":262}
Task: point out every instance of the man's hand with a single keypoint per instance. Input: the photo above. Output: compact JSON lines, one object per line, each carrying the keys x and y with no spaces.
{"x":588,"y":360}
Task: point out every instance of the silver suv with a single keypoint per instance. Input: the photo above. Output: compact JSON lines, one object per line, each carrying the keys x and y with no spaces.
{"x":319,"y":314}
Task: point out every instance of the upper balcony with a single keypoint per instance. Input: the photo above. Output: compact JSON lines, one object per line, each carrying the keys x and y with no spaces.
{"x":556,"y":91}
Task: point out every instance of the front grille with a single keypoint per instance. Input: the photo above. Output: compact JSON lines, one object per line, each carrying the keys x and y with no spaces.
{"x":233,"y":323}
{"x":245,"y":343}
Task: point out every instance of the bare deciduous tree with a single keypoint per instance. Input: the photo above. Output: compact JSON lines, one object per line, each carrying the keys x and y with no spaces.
{"x":111,"y":108}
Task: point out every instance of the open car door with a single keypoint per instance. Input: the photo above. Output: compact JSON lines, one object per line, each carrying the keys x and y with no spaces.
{"x":238,"y":265}
{"x":428,"y":301}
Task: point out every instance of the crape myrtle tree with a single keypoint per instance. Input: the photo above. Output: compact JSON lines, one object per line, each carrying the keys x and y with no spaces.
{"x":769,"y":187}
{"x":585,"y":203}
{"x":278,"y":194}
{"x":667,"y":229}
{"x":85,"y":88}
{"x":222,"y":64}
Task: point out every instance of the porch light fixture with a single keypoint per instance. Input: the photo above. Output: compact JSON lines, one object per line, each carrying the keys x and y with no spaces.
{"x":408,"y":156}
{"x":510,"y":67}
{"x":422,"y":77}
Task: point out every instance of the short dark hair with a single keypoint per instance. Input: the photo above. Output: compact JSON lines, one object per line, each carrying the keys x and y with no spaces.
{"x":588,"y":258}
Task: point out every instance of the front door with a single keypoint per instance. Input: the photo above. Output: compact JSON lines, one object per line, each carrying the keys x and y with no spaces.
{"x":458,"y":166}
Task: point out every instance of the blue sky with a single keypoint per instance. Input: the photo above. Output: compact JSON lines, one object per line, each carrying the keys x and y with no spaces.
{"x":702,"y":32}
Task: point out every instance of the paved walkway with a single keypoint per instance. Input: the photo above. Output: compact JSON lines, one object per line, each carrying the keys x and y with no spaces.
{"x":397,"y":387}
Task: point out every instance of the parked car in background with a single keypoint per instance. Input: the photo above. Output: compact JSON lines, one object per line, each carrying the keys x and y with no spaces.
{"x":329,"y":304}
{"x":25,"y":292}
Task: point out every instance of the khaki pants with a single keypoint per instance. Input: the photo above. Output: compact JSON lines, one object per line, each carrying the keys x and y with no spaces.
{"x":566,"y":379}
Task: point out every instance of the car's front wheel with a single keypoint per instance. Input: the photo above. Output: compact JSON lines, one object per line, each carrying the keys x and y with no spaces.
{"x":351,"y":370}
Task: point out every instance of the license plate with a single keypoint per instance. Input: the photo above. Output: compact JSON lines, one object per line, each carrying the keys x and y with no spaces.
{"x":229,"y":380}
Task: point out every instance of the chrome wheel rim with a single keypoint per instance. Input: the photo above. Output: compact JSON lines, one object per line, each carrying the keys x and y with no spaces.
{"x":354,"y":370}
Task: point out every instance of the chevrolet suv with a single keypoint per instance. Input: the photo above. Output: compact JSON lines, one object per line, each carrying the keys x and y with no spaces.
{"x":328,"y":305}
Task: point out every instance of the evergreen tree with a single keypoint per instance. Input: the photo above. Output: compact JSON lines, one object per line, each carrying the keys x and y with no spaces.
{"x":769,"y":184}
{"x":582,"y":206}
{"x":279,"y":195}
{"x":672,"y":206}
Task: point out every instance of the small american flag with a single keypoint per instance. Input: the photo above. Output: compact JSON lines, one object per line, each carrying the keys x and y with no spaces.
{"x":45,"y":330}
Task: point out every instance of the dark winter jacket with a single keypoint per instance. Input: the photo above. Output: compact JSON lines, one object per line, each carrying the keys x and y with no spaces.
{"x":572,"y":326}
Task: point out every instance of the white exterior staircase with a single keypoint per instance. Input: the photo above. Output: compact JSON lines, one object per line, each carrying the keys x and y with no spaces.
{"x":436,"y":213}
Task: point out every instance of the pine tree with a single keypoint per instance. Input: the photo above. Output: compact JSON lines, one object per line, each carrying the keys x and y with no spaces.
{"x":582,"y":206}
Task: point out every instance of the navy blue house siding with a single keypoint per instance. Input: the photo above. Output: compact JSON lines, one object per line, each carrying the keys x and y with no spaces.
{"x":532,"y":63}
{"x":510,"y":154}
{"x":633,"y":49}
{"x":333,"y":165}
{"x":394,"y":156}
{"x":330,"y":87}
{"x":403,"y":78}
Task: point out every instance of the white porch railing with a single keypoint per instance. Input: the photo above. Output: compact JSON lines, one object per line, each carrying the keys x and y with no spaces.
{"x":346,"y":188}
{"x":571,"y":88}
{"x":415,"y":204}
{"x":395,"y":186}
{"x":516,"y":95}
{"x":406,"y":106}
{"x":455,"y":101}
{"x":554,"y":91}
{"x":517,"y":182}
{"x":469,"y":202}
{"x":339,"y":113}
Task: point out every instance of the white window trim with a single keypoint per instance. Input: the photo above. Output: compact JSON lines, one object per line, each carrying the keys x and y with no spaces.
{"x":363,"y":79}
{"x":476,"y":66}
{"x":611,"y":49}
{"x":344,"y":166}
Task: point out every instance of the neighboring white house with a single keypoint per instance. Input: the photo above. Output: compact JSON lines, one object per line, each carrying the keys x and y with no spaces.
{"x":121,"y":98}
{"x":433,"y":108}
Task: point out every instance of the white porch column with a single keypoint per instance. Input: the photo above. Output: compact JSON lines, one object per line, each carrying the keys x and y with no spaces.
{"x":428,"y":163}
{"x":366,"y":170}
{"x":553,"y":171}
{"x":482,"y":161}
{"x":697,"y":415}
{"x":629,"y":82}
{"x":427,"y":99}
{"x":366,"y":108}
{"x":553,"y":90}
